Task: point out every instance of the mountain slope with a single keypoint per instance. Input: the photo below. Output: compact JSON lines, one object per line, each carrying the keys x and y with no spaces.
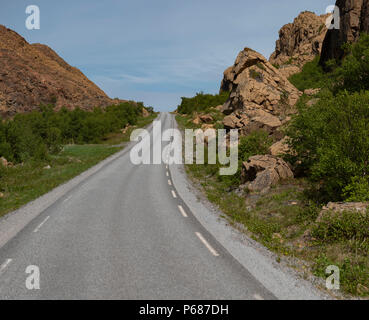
{"x":31,"y":74}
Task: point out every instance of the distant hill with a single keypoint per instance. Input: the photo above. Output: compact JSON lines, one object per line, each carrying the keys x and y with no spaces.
{"x":34,"y":74}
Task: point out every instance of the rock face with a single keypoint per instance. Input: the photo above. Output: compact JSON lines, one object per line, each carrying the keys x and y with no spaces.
{"x":299,"y":42}
{"x":354,"y":19}
{"x":31,"y":75}
{"x":255,"y":84}
{"x":264,"y":171}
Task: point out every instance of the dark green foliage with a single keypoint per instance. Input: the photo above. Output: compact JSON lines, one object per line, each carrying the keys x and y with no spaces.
{"x":202,"y":102}
{"x":312,"y":76}
{"x":36,"y":134}
{"x":331,"y":141}
{"x":353,"y":74}
{"x":343,"y":226}
{"x":257,"y":142}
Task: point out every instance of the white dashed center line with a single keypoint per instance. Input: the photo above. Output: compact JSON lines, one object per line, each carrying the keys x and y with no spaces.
{"x":67,"y":199}
{"x":182,"y":211}
{"x":167,"y":174}
{"x":174,"y":194}
{"x":169,"y":182}
{"x":41,"y":224}
{"x":4,"y":265}
{"x":207,"y":245}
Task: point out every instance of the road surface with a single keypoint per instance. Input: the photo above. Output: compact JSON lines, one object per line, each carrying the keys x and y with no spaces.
{"x":124,"y":233}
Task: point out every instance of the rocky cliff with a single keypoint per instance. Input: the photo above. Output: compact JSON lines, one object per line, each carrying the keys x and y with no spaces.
{"x":31,"y":74}
{"x":254,"y":83}
{"x":354,"y":19}
{"x":299,"y":42}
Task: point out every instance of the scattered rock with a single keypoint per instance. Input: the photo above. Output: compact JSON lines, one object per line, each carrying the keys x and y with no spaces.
{"x":4,"y":162}
{"x":47,"y":167}
{"x":278,"y":237}
{"x":311,"y":92}
{"x":206,"y":118}
{"x":1,"y":195}
{"x":280,"y":148}
{"x":264,"y":171}
{"x":145,"y":113}
{"x":312,"y":102}
{"x":339,"y":207}
{"x":196,"y":120}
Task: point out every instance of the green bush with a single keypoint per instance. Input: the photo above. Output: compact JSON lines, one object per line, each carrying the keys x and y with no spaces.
{"x":202,"y":102}
{"x":353,"y":74}
{"x":337,"y":227}
{"x":312,"y":76}
{"x":357,"y":190}
{"x":331,"y":141}
{"x":257,"y":142}
{"x":34,"y":135}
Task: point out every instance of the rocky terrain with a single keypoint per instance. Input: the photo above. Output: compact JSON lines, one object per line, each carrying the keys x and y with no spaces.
{"x":33,"y":74}
{"x":260,"y":96}
{"x":299,"y":42}
{"x":354,"y":19}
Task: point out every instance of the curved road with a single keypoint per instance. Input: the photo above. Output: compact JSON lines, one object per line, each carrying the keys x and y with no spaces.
{"x":124,"y":233}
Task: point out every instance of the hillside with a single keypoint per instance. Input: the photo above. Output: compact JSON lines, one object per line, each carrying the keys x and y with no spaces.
{"x":34,"y":74}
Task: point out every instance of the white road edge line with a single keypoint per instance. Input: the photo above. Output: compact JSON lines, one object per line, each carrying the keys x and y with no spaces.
{"x":174,"y":194}
{"x":4,"y":265}
{"x":169,"y":182}
{"x":41,"y":224}
{"x":207,"y":245}
{"x":184,"y":214}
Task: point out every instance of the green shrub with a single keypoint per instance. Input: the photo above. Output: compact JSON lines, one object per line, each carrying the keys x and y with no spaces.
{"x":311,"y":76}
{"x":353,"y":74}
{"x":36,"y":134}
{"x":357,"y":190}
{"x":257,"y":142}
{"x":337,"y":227}
{"x":331,"y":141}
{"x":202,"y":102}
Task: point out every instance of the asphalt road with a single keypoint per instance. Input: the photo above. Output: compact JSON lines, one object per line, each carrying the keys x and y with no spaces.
{"x":124,"y":233}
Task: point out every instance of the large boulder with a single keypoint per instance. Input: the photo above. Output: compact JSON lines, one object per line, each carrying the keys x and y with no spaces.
{"x":263,"y":171}
{"x":254,"y":84}
{"x":299,"y":42}
{"x":354,"y":19}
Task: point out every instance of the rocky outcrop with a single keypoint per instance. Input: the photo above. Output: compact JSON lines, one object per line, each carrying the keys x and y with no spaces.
{"x":299,"y":42}
{"x":263,"y":171}
{"x":255,"y":84}
{"x":354,"y":19}
{"x":31,"y":75}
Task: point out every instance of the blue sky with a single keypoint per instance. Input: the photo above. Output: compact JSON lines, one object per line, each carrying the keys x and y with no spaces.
{"x":156,"y":51}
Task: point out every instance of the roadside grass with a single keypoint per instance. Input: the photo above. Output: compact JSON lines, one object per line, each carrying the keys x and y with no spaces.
{"x":285,"y":221}
{"x":26,"y":182}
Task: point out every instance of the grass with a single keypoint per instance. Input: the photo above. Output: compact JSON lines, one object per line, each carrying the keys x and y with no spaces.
{"x":23,"y":183}
{"x":284,"y":221}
